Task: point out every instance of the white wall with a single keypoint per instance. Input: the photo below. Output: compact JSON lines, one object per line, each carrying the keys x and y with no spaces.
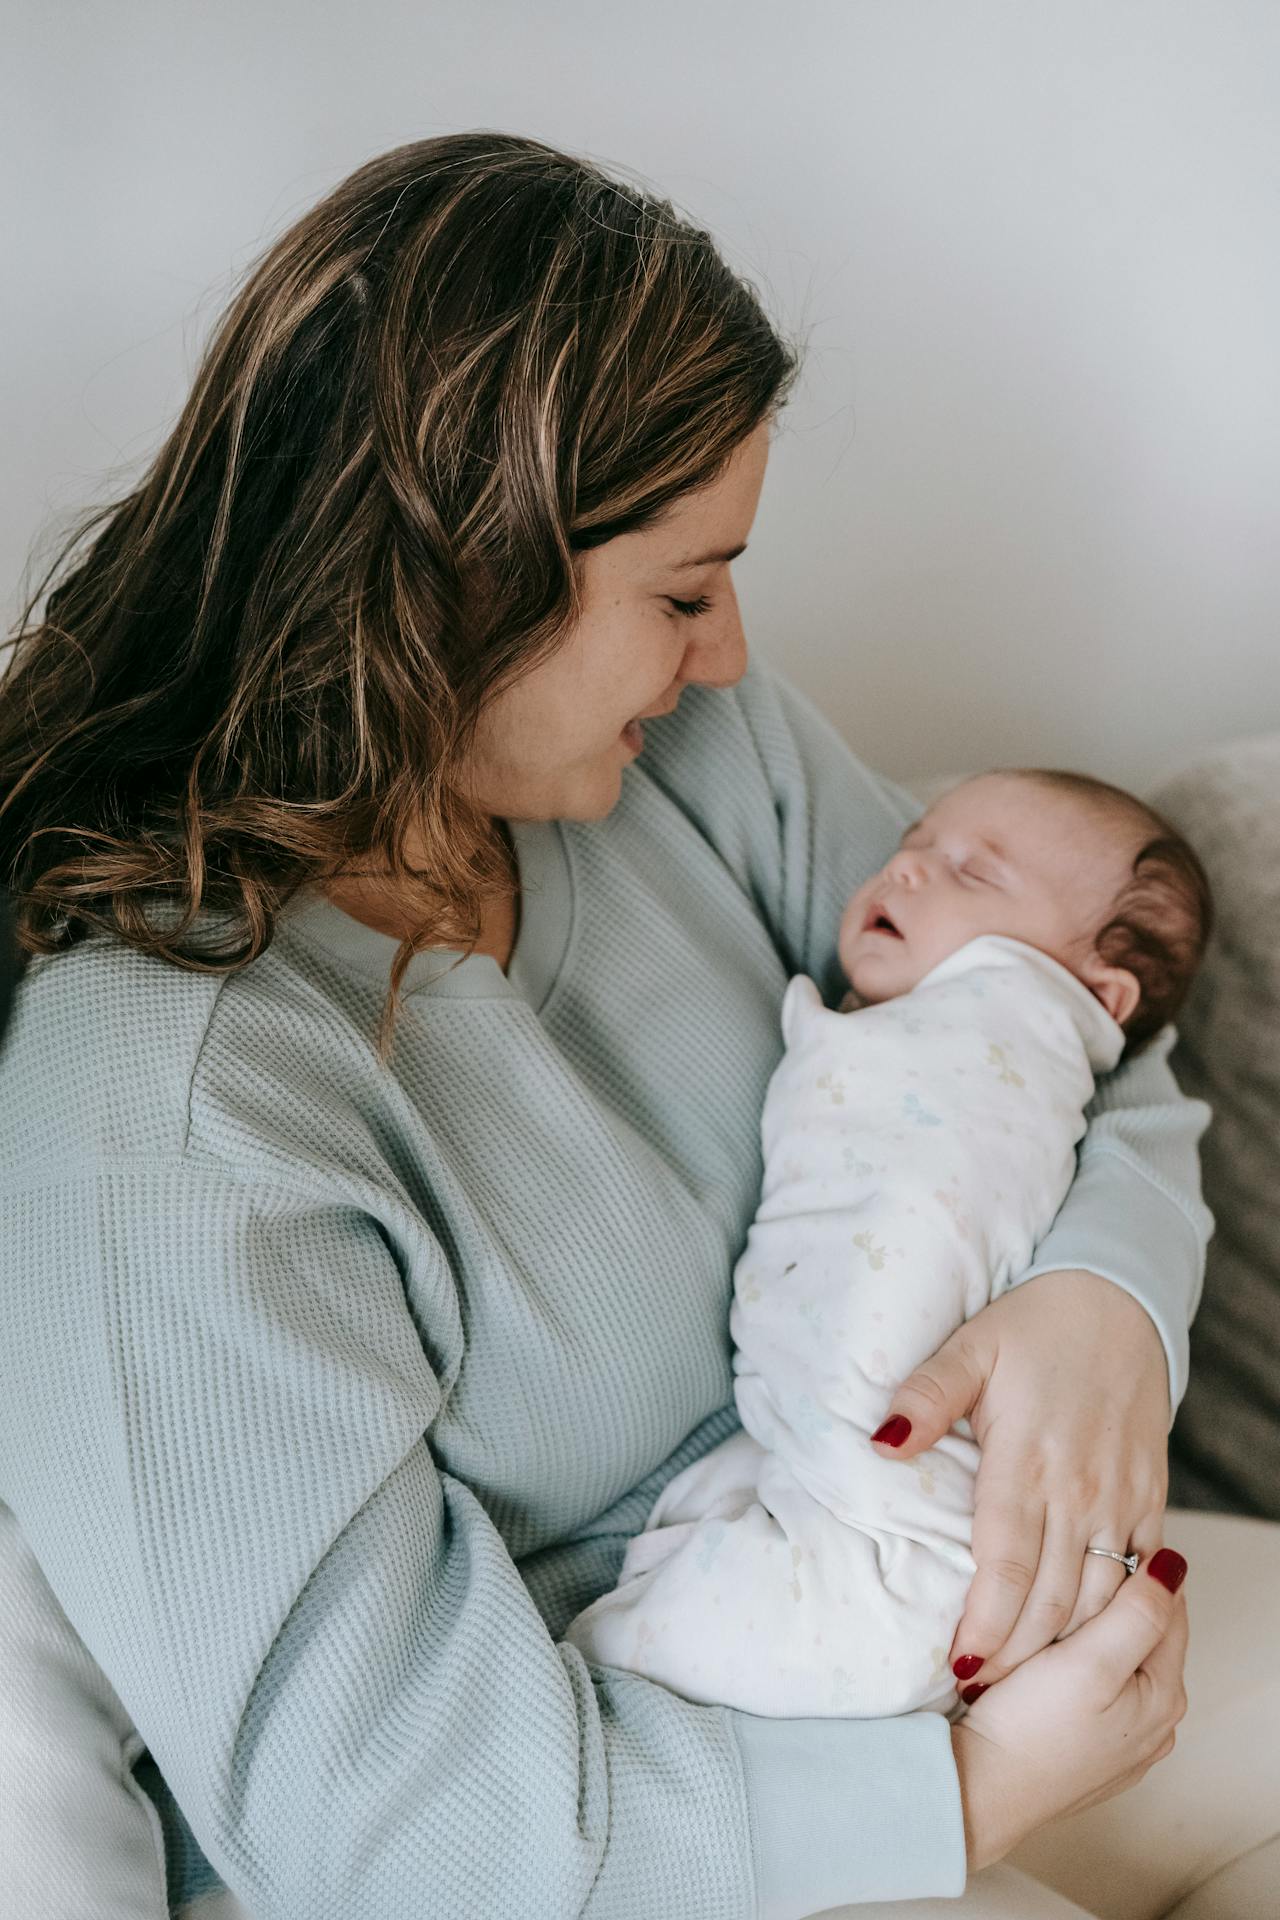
{"x":1026,"y":504}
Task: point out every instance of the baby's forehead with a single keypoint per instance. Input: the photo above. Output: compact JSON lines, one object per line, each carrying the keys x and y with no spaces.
{"x":987,"y":797}
{"x":1022,"y":816}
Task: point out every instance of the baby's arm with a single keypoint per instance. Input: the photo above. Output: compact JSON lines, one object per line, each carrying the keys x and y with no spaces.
{"x":791,"y":1571}
{"x":833,"y":1307}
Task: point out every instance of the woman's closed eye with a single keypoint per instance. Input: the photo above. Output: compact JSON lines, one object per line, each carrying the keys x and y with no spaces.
{"x":692,"y":608}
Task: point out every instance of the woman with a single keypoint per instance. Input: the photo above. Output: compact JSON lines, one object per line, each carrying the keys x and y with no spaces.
{"x":351,"y":1334}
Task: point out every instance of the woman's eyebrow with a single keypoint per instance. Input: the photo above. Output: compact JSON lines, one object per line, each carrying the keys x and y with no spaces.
{"x":708,"y":559}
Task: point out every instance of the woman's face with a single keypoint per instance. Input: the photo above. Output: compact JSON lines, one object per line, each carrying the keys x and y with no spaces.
{"x":553,"y":745}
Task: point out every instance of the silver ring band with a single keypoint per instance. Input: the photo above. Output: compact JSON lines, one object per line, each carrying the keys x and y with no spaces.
{"x":1129,"y":1561}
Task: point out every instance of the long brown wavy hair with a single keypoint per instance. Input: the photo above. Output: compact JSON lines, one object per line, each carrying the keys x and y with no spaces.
{"x":474,"y":360}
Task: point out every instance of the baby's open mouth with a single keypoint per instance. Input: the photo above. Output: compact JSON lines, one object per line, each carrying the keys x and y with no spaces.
{"x":878,"y":921}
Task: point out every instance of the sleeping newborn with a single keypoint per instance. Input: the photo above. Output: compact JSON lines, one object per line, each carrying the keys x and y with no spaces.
{"x":1030,"y":929}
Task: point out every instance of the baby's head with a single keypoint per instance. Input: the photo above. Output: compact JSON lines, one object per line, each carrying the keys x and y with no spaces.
{"x":1080,"y":869}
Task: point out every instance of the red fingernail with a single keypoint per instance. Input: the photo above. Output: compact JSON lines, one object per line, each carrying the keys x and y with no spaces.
{"x":966,"y":1666}
{"x":970,"y":1694}
{"x":1168,"y":1567}
{"x":894,"y":1431}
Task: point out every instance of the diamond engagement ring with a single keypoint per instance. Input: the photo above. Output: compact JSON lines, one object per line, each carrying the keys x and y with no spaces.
{"x":1129,"y":1561}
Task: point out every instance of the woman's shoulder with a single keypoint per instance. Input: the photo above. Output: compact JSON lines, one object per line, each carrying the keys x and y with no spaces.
{"x":115,"y":1053}
{"x":719,"y":755}
{"x":98,"y":1057}
{"x":744,"y":761}
{"x":719,"y":725}
{"x":762,"y":740}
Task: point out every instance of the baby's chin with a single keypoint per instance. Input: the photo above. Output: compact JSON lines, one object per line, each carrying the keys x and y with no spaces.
{"x":879,"y":968}
{"x":876,"y":976}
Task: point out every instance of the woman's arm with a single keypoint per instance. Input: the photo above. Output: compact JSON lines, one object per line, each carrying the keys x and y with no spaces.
{"x":1134,"y":1212}
{"x":216,"y":1432}
{"x":1085,"y":1397}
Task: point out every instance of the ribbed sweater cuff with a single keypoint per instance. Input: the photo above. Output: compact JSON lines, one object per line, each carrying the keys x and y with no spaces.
{"x":851,"y":1810}
{"x":1126,"y":1229}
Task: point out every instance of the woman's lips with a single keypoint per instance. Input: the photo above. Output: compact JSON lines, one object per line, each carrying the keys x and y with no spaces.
{"x":633,"y":732}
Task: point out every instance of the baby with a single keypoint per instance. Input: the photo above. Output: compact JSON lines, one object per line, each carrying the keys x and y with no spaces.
{"x":1030,"y":929}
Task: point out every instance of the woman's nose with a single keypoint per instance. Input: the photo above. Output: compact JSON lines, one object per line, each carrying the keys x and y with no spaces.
{"x":719,"y":657}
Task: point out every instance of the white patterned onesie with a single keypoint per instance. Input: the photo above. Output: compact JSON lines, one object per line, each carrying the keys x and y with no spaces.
{"x":915,"y":1152}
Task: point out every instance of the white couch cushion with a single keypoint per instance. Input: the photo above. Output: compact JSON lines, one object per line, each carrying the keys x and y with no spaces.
{"x":77,"y":1834}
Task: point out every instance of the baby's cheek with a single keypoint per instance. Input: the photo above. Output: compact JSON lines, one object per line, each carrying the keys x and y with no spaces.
{"x":855,"y":908}
{"x":851,"y":926}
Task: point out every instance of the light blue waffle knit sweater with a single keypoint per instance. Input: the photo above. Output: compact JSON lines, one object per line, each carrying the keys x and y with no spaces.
{"x":331,"y":1393}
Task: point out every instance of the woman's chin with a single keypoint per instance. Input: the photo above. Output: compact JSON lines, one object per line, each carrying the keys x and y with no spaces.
{"x":589,"y":793}
{"x":595,"y":793}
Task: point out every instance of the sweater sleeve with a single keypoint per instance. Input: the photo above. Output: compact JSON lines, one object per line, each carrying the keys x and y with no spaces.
{"x":219,"y":1446}
{"x":1134,"y":1212}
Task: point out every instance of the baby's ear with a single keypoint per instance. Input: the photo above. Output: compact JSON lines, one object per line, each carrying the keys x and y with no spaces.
{"x":1116,"y":987}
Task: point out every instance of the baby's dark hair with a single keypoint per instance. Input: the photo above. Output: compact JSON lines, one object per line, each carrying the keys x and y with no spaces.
{"x":1159,"y":923}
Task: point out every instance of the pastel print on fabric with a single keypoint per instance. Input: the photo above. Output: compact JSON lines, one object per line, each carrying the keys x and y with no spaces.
{"x":914,"y":1154}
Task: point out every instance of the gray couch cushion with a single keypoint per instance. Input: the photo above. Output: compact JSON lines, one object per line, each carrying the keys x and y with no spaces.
{"x":1225,"y":1448}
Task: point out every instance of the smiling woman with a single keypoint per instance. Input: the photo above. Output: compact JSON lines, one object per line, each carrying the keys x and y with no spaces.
{"x":547,"y":745}
{"x":552,"y":744}
{"x":412,"y":564}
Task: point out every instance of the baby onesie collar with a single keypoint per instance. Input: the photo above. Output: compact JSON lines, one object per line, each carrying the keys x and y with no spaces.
{"x":1103,"y":1037}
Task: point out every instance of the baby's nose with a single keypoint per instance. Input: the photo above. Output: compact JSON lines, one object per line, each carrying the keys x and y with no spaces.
{"x":908,"y":868}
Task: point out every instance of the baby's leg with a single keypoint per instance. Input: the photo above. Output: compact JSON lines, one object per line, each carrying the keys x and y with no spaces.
{"x":795,"y":1570}
{"x":721,"y":1486}
{"x":771,"y":1604}
{"x":81,"y":1837}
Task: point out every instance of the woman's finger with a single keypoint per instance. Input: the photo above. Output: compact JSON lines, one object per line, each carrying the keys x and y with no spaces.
{"x":1163,"y":1666}
{"x":1052,"y":1596}
{"x":1124,"y":1636}
{"x":1101,"y":1578}
{"x":1100,"y":1581}
{"x":1008,"y":1527}
{"x":931,"y":1400}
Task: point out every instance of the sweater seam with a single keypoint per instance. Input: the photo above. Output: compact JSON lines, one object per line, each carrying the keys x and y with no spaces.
{"x":199,"y":1055}
{"x":775,"y":921}
{"x":558,"y":984}
{"x":747,"y":1799}
{"x":677,"y":798}
{"x":246,"y":1173}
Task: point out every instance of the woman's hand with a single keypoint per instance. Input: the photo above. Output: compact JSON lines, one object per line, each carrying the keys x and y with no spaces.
{"x":1080,"y":1721}
{"x":1065,"y":1384}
